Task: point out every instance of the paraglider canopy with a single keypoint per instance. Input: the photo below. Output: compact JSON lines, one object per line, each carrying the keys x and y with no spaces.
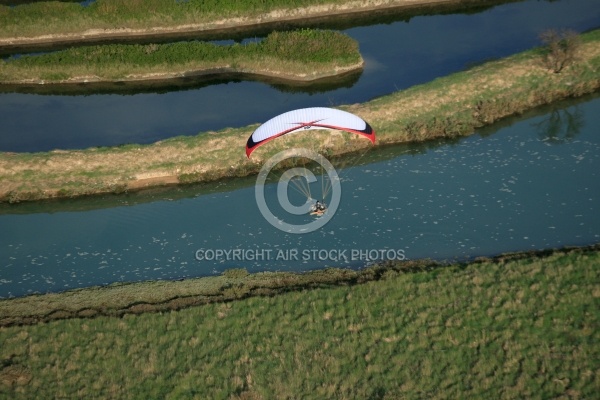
{"x":307,"y":119}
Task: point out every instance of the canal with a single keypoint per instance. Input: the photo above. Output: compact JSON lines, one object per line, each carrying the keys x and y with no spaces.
{"x":399,"y":52}
{"x":522,"y":184}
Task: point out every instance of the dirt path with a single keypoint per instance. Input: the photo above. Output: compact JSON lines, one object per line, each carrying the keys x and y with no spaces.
{"x":142,"y":182}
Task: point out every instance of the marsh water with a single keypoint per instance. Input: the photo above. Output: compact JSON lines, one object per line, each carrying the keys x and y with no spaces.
{"x":523,"y":184}
{"x":399,"y":52}
{"x":529,"y":182}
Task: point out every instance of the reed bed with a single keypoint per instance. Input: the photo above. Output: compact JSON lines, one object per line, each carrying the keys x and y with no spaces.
{"x":513,"y":327}
{"x":42,"y":20}
{"x":302,"y":54}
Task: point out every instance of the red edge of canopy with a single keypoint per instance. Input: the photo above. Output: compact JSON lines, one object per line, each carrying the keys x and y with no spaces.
{"x":370,"y":135}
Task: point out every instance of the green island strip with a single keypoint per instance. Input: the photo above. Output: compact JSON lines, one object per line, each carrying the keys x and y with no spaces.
{"x":303,"y":55}
{"x":447,"y":107}
{"x":518,"y":326}
{"x":55,"y":22}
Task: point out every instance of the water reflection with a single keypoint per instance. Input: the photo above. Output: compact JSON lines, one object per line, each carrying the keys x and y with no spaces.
{"x":190,"y":82}
{"x":560,"y":125}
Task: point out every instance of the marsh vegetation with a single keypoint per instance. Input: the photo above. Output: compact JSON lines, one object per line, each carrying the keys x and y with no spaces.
{"x":37,"y":21}
{"x":515,"y":326}
{"x":520,"y":327}
{"x":296,"y":55}
{"x":451,"y":106}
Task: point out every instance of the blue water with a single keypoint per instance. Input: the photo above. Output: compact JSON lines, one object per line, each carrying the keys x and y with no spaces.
{"x":397,"y":54}
{"x":523,"y":184}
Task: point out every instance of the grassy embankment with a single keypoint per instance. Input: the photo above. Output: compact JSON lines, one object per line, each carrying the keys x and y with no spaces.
{"x":58,"y":21}
{"x":451,"y":106}
{"x":298,"y":55}
{"x":516,"y":328}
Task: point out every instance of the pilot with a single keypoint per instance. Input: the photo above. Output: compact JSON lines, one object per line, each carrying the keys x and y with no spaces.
{"x":319,"y":207}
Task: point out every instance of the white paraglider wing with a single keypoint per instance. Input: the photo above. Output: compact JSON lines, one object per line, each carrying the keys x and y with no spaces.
{"x":307,"y":119}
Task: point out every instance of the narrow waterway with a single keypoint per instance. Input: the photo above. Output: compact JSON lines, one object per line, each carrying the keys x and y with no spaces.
{"x":525,"y":183}
{"x":398,"y":53}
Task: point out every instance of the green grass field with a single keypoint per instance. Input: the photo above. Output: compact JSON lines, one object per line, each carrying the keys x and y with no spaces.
{"x":515,"y":328}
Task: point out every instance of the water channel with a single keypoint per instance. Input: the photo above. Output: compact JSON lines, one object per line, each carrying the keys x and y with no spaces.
{"x":399,"y":53}
{"x":525,"y":183}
